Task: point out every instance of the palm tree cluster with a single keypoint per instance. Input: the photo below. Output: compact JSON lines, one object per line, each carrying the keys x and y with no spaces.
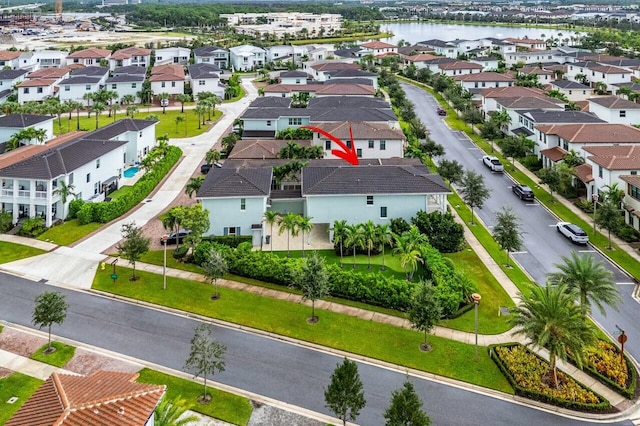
{"x":24,"y":137}
{"x":291,"y":223}
{"x":207,"y":102}
{"x":550,"y":318}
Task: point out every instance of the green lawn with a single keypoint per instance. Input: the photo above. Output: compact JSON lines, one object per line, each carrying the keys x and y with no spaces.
{"x":241,"y":94}
{"x":12,"y":251}
{"x":59,"y":358}
{"x":155,"y":257}
{"x":69,"y":232}
{"x":493,"y":296}
{"x":372,"y":339}
{"x":167,"y":123}
{"x":17,"y":385}
{"x":123,"y":190}
{"x":225,"y":406}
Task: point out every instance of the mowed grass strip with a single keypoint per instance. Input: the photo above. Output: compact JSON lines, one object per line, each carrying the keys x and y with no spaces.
{"x":59,"y":358}
{"x":69,"y":232}
{"x":12,"y":251}
{"x":20,"y":386}
{"x":225,"y":406}
{"x":384,"y":342}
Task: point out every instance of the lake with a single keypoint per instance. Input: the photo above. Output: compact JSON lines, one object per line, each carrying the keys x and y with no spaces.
{"x":414,"y":32}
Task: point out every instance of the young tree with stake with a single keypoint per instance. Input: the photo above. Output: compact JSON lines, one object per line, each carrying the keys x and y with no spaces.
{"x":507,"y":231}
{"x":344,"y":396}
{"x":51,"y":308}
{"x":313,"y":280}
{"x":206,"y":356}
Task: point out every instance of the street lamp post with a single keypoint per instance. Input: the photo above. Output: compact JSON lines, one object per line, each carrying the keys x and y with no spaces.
{"x":476,"y":300}
{"x":595,"y":198}
{"x":165,"y":237}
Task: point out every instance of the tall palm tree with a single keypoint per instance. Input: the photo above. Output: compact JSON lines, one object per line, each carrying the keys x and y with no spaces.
{"x":98,"y":107}
{"x":128,"y":100}
{"x":589,"y":280}
{"x":550,"y":319}
{"x":304,"y":225}
{"x":408,"y":252}
{"x":182,"y":98}
{"x":289,"y":223}
{"x":193,"y":186}
{"x":172,"y":220}
{"x":354,"y":238}
{"x":65,"y":191}
{"x":88,"y":97}
{"x":164,"y":96}
{"x":339,"y":227}
{"x":385,"y":237}
{"x":270,"y":218}
{"x":201,"y":111}
{"x":370,"y":238}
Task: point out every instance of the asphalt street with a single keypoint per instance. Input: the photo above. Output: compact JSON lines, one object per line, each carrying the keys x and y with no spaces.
{"x":262,"y":365}
{"x":543,"y":245}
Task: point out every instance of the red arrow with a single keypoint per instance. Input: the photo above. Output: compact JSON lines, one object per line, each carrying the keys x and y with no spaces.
{"x":348,"y":154}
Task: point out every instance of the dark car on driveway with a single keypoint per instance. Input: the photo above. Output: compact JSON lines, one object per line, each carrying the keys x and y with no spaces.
{"x":204,"y":169}
{"x":523,"y":191}
{"x":175,"y":236}
{"x":441,"y":111}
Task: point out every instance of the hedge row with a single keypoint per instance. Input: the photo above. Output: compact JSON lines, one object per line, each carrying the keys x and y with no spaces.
{"x":447,"y":286}
{"x":603,"y":405}
{"x":106,"y":211}
{"x":229,"y":240}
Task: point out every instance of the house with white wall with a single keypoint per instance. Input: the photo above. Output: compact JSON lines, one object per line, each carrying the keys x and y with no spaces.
{"x":544,"y":76}
{"x":371,"y":140}
{"x":418,"y":61}
{"x":631,"y":200}
{"x":130,"y":56}
{"x":452,"y":69}
{"x":573,"y":90}
{"x":318,"y":90}
{"x":140,"y":136}
{"x":211,"y":55}
{"x":88,"y":57}
{"x":378,"y":48}
{"x":168,"y":78}
{"x":12,"y":123}
{"x":10,"y":59}
{"x":9,"y":78}
{"x":42,"y":59}
{"x":608,"y":75}
{"x":476,"y":82}
{"x":613,"y":109}
{"x":173,"y":55}
{"x":286,"y":53}
{"x":293,"y":77}
{"x":487,"y":62}
{"x":205,"y":77}
{"x":247,"y":57}
{"x":609,"y":163}
{"x":82,"y":81}
{"x":55,"y":74}
{"x":489,"y":97}
{"x":125,"y":84}
{"x":35,"y":90}
{"x":514,"y":106}
{"x":349,"y":74}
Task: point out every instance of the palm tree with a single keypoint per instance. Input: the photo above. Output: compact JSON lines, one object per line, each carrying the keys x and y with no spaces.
{"x":354,"y":238}
{"x":613,"y":193}
{"x":131,"y":110}
{"x":289,"y":223}
{"x":370,"y":238}
{"x":172,"y":220}
{"x":98,"y":107}
{"x":339,"y":227}
{"x":65,"y":191}
{"x":113,"y":109}
{"x":171,"y":413}
{"x":164,"y":96}
{"x":182,"y":98}
{"x":384,"y":237}
{"x":550,"y":319}
{"x":270,"y":218}
{"x":201,"y":111}
{"x":128,"y":100}
{"x":304,"y":225}
{"x":212,"y":155}
{"x":88,"y":97}
{"x":589,"y":280}
{"x":408,"y":253}
{"x":193,"y":186}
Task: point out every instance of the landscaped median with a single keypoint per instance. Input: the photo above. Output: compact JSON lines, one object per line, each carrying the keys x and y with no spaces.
{"x":368,"y":338}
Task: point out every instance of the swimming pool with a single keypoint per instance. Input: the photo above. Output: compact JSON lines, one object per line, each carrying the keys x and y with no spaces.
{"x":131,"y":171}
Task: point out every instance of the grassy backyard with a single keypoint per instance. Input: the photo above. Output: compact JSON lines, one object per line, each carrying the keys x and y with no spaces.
{"x":11,"y":251}
{"x":59,"y":358}
{"x":376,"y":340}
{"x":16,"y":385}
{"x":69,"y":232}
{"x":225,"y":406}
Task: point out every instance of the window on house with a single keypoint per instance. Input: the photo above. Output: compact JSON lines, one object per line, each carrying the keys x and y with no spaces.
{"x":26,"y":90}
{"x":243,"y":204}
{"x":201,"y":82}
{"x":359,"y":152}
{"x":570,"y":92}
{"x":369,"y":200}
{"x":634,"y":192}
{"x":383,"y":212}
{"x":623,"y":114}
{"x":232,"y":230}
{"x":40,"y":90}
{"x":134,"y":85}
{"x":96,"y":187}
{"x":349,"y":144}
{"x":268,"y":122}
{"x":173,"y":84}
{"x":163,"y":84}
{"x":88,"y":177}
{"x":67,"y":88}
{"x":295,"y":121}
{"x":297,"y":81}
{"x":383,"y":145}
{"x":484,"y":84}
{"x":600,"y":171}
{"x":98,"y":163}
{"x":87,"y":87}
{"x":70,"y":178}
{"x":371,"y":144}
{"x":327,"y":145}
{"x":634,"y":172}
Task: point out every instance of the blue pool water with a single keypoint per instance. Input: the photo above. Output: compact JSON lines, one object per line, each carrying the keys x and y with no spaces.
{"x":131,"y":171}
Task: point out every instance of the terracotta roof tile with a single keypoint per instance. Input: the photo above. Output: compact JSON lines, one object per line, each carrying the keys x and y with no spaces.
{"x":332,"y":66}
{"x":167,"y":72}
{"x":584,"y":173}
{"x":460,"y":65}
{"x":104,"y":397}
{"x":420,"y":57}
{"x":36,"y":82}
{"x":631,"y":179}
{"x":614,"y":102}
{"x":593,"y":133}
{"x":262,"y":148}
{"x":91,"y":53}
{"x":378,"y":45}
{"x":8,"y":55}
{"x":512,"y":92}
{"x":534,"y":70}
{"x":608,"y":69}
{"x":484,"y":76}
{"x":49,"y":73}
{"x":620,"y":157}
{"x":554,"y":154}
{"x":326,"y":89}
{"x":362,"y":130}
{"x":129,"y":52}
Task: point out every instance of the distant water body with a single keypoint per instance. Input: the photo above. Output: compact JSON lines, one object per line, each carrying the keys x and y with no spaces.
{"x":414,"y":32}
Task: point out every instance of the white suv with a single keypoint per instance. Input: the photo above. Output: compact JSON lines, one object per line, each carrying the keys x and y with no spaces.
{"x":573,"y":232}
{"x":493,"y":163}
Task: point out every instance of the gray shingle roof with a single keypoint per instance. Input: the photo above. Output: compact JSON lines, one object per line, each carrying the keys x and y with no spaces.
{"x":355,"y":80}
{"x":90,"y":72}
{"x":11,"y":74}
{"x":569,"y":84}
{"x":126,"y":78}
{"x":236,"y":182}
{"x":350,"y":73}
{"x":368,"y":179}
{"x":80,"y":80}
{"x":347,"y":102}
{"x":270,"y":101}
{"x":131,"y":69}
{"x":23,"y":120}
{"x":124,"y":125}
{"x":293,"y":74}
{"x":433,"y":42}
{"x":5,"y":93}
{"x":558,"y":117}
{"x":323,"y":114}
{"x":207,"y":50}
{"x":200,"y":71}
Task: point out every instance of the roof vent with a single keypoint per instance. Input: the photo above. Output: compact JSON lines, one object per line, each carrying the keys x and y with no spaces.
{"x":96,"y":411}
{"x":121,"y":410}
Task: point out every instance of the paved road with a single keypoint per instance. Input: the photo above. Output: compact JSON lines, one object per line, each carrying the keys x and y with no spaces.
{"x":265,"y":366}
{"x":543,"y":246}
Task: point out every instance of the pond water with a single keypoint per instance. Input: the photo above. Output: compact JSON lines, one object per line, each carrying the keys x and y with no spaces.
{"x":414,"y":32}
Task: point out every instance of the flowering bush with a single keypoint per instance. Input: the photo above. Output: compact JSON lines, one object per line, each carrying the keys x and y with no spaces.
{"x":603,"y":361}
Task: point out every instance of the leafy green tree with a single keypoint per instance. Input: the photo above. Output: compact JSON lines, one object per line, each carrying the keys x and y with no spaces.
{"x":196,"y":220}
{"x":473,"y":190}
{"x":517,"y":147}
{"x":193,"y":185}
{"x":313,"y":280}
{"x":406,"y":408}
{"x":164,"y":100}
{"x":271,"y":218}
{"x":450,"y":170}
{"x":172,"y":220}
{"x":345,"y":394}
{"x":339,"y":235}
{"x":206,"y":356}
{"x":609,"y":217}
{"x":550,"y":319}
{"x":172,"y":413}
{"x":50,"y":308}
{"x":558,"y":177}
{"x":214,"y":267}
{"x":589,"y":280}
{"x":444,"y":233}
{"x":507,"y":231}
{"x":424,"y":311}
{"x":133,"y":246}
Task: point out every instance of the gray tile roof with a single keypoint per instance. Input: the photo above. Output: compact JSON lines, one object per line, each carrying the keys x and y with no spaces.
{"x":569,"y":84}
{"x":208,"y":50}
{"x":11,"y":74}
{"x":201,"y":71}
{"x":90,"y":72}
{"x":323,"y":162}
{"x":323,"y":114}
{"x":293,"y":74}
{"x":433,"y":42}
{"x":23,"y":121}
{"x":5,"y":93}
{"x":561,"y":117}
{"x":124,"y":125}
{"x":80,"y":80}
{"x":236,"y":182}
{"x":131,"y":69}
{"x":350,"y":73}
{"x":347,"y":102}
{"x":126,"y":78}
{"x":348,"y":53}
{"x":369,"y":179}
{"x":270,"y":101}
{"x":355,"y":80}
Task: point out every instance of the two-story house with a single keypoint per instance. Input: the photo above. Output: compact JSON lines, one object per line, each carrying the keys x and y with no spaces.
{"x":607,"y":75}
{"x":168,"y":78}
{"x":474,"y":83}
{"x":42,"y":59}
{"x":487,"y":62}
{"x":12,"y":123}
{"x":88,"y":57}
{"x":452,"y":69}
{"x":10,"y":78}
{"x":82,"y":81}
{"x":631,"y":200}
{"x":606,"y":165}
{"x":126,"y":84}
{"x":286,"y":53}
{"x":293,"y":77}
{"x":371,"y":140}
{"x":35,"y":90}
{"x":378,"y":48}
{"x":205,"y":77}
{"x":211,"y":55}
{"x":9,"y":59}
{"x":613,"y":109}
{"x":247,"y":57}
{"x":173,"y":55}
{"x":130,"y":56}
{"x":573,"y":90}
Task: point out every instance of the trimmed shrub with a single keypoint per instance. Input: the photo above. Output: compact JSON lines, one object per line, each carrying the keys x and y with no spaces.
{"x":180,"y":252}
{"x":628,"y":234}
{"x":74,"y":208}
{"x":230,"y":240}
{"x":32,"y":227}
{"x":531,"y":162}
{"x":399,"y":225}
{"x":6,"y":221}
{"x":443,"y":232}
{"x":201,"y":252}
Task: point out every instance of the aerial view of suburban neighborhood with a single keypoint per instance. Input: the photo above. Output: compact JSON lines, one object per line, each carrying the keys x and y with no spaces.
{"x":296,"y":213}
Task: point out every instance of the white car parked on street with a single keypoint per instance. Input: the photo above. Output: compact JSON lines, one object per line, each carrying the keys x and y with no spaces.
{"x":573,"y":232}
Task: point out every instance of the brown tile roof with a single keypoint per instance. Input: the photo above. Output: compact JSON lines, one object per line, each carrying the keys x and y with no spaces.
{"x":620,"y":157}
{"x":460,"y":65}
{"x":262,"y":148}
{"x":561,"y":67}
{"x":362,"y":130}
{"x":378,"y":45}
{"x":49,"y":73}
{"x":385,"y":54}
{"x":36,"y":82}
{"x":91,"y":53}
{"x":484,"y":76}
{"x":534,"y":70}
{"x":512,"y":92}
{"x":608,"y":69}
{"x":334,"y":66}
{"x":129,"y":52}
{"x":631,"y":179}
{"x":554,"y":154}
{"x":28,"y":151}
{"x":167,"y":72}
{"x":593,"y":132}
{"x":420,"y":57}
{"x":597,"y":57}
{"x":584,"y":173}
{"x":584,"y":105}
{"x":8,"y":55}
{"x":614,"y":102}
{"x":103,"y":398}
